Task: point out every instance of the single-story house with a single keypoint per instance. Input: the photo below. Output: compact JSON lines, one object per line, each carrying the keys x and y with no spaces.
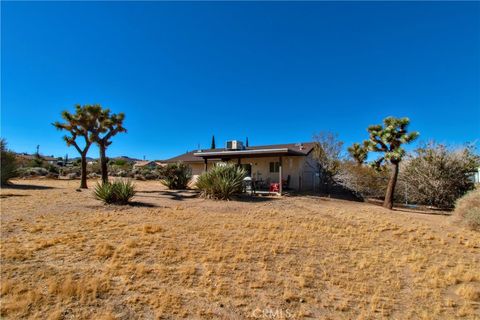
{"x":291,"y":164}
{"x":147,"y":164}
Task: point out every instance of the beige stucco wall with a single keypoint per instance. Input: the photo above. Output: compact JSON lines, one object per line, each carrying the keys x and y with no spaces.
{"x":302,"y":170}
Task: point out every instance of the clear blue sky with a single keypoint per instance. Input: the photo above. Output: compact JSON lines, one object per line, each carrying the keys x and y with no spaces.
{"x":275,"y":72}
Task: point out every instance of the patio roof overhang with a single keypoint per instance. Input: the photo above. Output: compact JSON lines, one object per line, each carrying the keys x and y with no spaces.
{"x":251,"y":153}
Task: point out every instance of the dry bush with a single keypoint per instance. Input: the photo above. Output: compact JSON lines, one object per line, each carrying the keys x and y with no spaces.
{"x":467,"y":209}
{"x":438,"y":175}
{"x":363,"y":180}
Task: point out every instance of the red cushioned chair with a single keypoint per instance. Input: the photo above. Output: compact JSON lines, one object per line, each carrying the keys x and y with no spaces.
{"x":274,"y":187}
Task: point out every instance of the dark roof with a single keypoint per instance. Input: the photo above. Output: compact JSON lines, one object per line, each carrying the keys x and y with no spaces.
{"x":299,"y":149}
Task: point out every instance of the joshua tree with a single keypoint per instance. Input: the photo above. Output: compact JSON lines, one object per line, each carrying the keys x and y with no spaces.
{"x":82,"y":123}
{"x":246,"y":143}
{"x":389,"y":139}
{"x":358,"y":152}
{"x":109,"y":125}
{"x":212,"y":146}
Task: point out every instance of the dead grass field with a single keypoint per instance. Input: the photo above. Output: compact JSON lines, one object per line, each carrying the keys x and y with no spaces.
{"x":64,"y":255}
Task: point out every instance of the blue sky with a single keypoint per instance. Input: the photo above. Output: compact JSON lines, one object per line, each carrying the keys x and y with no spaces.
{"x":275,"y":72}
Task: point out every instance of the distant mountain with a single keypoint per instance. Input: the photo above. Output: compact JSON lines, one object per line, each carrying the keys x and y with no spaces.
{"x":125,"y":158}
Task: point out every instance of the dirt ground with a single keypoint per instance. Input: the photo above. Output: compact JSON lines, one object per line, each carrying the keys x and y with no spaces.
{"x":172,"y":255}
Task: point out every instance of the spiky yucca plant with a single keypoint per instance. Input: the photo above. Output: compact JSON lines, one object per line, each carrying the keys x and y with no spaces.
{"x":116,"y":192}
{"x":221,"y":182}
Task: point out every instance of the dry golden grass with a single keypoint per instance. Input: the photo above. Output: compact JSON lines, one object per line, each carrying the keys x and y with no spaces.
{"x":64,"y":255}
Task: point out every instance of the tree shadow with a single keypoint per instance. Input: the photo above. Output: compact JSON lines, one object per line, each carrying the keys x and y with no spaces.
{"x":13,"y":195}
{"x":26,"y":187}
{"x":433,"y":212}
{"x":419,"y":209}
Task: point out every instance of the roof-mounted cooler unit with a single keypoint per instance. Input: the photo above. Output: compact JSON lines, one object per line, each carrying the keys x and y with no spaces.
{"x":234,"y":145}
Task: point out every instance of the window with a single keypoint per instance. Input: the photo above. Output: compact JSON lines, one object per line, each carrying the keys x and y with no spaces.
{"x":274,"y":166}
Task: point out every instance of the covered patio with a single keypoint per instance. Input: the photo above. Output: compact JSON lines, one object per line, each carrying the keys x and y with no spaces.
{"x":260,"y":186}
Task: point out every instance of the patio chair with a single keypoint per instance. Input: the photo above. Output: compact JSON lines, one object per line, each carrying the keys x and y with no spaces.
{"x":274,"y":187}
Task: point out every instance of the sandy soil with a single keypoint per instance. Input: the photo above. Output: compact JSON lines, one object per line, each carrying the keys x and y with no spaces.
{"x":172,"y":255}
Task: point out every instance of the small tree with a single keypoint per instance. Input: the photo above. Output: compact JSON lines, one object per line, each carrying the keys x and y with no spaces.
{"x":328,"y":153}
{"x":358,"y":153}
{"x":8,"y":163}
{"x":109,"y":125}
{"x":212,"y":146}
{"x":82,"y":123}
{"x":388,"y":139}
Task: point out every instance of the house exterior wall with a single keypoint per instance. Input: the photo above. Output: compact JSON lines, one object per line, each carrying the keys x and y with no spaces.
{"x":302,"y":170}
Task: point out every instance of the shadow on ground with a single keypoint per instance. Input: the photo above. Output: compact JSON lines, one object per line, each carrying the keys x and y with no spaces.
{"x":7,"y":195}
{"x":26,"y":187}
{"x":141,"y":204}
{"x":178,"y":195}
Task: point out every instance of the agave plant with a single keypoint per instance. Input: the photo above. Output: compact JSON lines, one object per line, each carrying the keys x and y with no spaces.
{"x":117,"y":192}
{"x":221,"y":182}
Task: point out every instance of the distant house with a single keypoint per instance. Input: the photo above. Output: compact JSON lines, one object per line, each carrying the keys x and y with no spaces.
{"x":476,"y":176}
{"x":147,"y":164}
{"x":30,"y":157}
{"x":292,"y":164}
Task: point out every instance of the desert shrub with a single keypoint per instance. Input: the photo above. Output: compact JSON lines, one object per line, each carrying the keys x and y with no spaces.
{"x":221,"y":182}
{"x":94,"y":167}
{"x":363,"y":180}
{"x":119,"y":162}
{"x":36,"y":162}
{"x":32,"y":172}
{"x":8,"y":163}
{"x":52,"y":168}
{"x":150,"y":174}
{"x":175,"y":175}
{"x":116,"y":192}
{"x":70,"y":171}
{"x":467,"y":209}
{"x":437,"y":175}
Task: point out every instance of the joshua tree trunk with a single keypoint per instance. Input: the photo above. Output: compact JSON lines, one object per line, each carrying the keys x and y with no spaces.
{"x":388,"y":203}
{"x":103,"y":163}
{"x":83,"y":183}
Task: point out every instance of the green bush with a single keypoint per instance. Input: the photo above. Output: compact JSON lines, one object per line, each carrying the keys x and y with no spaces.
{"x":176,"y":175}
{"x":467,"y":209}
{"x":9,"y":163}
{"x":117,"y":192}
{"x":221,"y":182}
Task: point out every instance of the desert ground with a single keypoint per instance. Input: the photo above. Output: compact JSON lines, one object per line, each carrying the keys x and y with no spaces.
{"x":65,"y":255}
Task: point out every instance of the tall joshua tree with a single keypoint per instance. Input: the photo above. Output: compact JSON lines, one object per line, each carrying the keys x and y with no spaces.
{"x":358,"y":152}
{"x":82,"y":124}
{"x":388,"y":139}
{"x":109,"y":125}
{"x":212,"y":146}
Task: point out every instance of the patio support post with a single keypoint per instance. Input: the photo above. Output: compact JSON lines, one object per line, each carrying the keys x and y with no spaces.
{"x":206,"y":164}
{"x":280,"y":184}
